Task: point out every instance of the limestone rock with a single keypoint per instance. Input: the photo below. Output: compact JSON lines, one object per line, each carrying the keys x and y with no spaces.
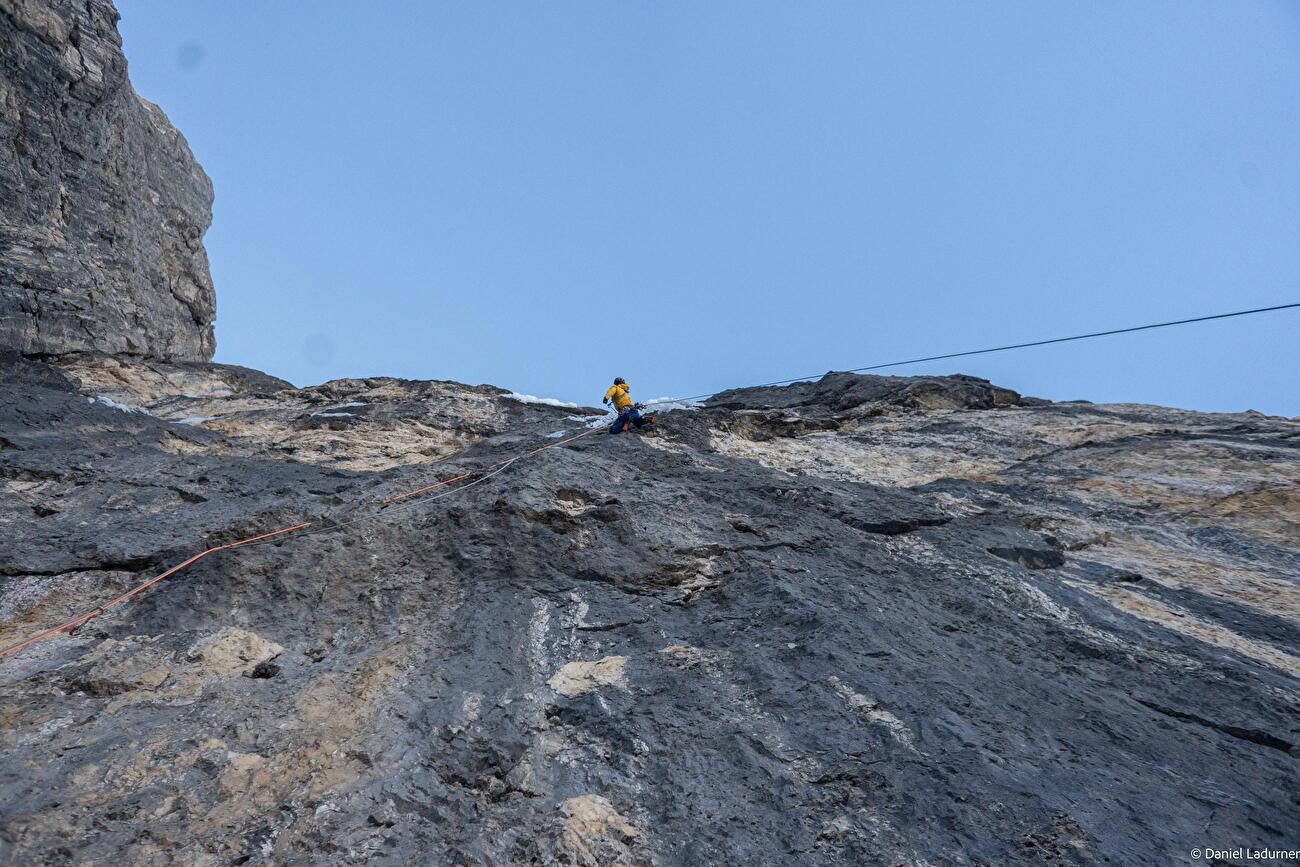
{"x":903,"y":620}
{"x":102,"y":206}
{"x":578,"y":677}
{"x":780,"y":628}
{"x":232,"y":650}
{"x":595,"y":833}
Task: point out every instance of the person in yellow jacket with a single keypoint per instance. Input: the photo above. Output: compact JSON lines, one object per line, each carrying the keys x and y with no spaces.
{"x":629,"y":413}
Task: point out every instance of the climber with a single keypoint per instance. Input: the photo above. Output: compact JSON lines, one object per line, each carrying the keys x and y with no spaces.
{"x":629,"y":413}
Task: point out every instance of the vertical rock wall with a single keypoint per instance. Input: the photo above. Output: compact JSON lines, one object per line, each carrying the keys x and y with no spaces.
{"x":102,"y":205}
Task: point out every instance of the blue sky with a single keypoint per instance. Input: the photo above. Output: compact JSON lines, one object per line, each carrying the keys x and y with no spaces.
{"x":701,"y":195}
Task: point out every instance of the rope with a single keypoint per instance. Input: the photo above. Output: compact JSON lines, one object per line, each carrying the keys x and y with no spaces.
{"x":488,"y":472}
{"x":492,"y":469}
{"x":78,"y":621}
{"x":1000,"y":349}
{"x":502,"y":465}
{"x":439,"y":484}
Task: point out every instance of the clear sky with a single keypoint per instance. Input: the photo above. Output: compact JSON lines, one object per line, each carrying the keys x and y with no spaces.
{"x":701,"y":195}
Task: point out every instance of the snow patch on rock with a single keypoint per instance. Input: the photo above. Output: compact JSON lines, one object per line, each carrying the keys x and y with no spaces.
{"x":546,"y":401}
{"x":334,"y":411}
{"x":109,"y":402}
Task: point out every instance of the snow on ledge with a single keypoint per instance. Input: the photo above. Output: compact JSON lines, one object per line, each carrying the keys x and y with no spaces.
{"x":594,"y":420}
{"x":331,"y":411}
{"x":667,"y":404}
{"x":108,"y":401}
{"x":547,"y":401}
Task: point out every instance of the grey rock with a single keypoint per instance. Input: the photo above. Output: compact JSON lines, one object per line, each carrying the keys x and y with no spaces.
{"x":859,"y":620}
{"x":102,"y":206}
{"x":905,"y":635}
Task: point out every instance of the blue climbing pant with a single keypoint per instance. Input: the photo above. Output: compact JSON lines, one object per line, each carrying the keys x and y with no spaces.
{"x":631,"y":416}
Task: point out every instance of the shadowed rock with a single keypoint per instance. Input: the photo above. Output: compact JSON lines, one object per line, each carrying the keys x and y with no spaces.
{"x":102,"y":206}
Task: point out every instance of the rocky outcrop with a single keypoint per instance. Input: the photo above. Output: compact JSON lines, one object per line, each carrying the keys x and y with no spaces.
{"x":864,"y":620}
{"x":102,"y":206}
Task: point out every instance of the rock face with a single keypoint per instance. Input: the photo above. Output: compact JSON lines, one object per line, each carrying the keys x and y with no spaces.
{"x":102,"y":206}
{"x":863,"y":620}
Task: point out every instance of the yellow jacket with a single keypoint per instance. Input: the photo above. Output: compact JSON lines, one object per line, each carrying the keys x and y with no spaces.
{"x":619,"y":394}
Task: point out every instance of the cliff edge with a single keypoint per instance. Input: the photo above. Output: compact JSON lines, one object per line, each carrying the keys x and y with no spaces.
{"x":102,"y":205}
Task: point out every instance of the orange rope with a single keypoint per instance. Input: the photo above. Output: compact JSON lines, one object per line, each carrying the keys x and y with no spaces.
{"x":417,"y":491}
{"x":73,"y":624}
